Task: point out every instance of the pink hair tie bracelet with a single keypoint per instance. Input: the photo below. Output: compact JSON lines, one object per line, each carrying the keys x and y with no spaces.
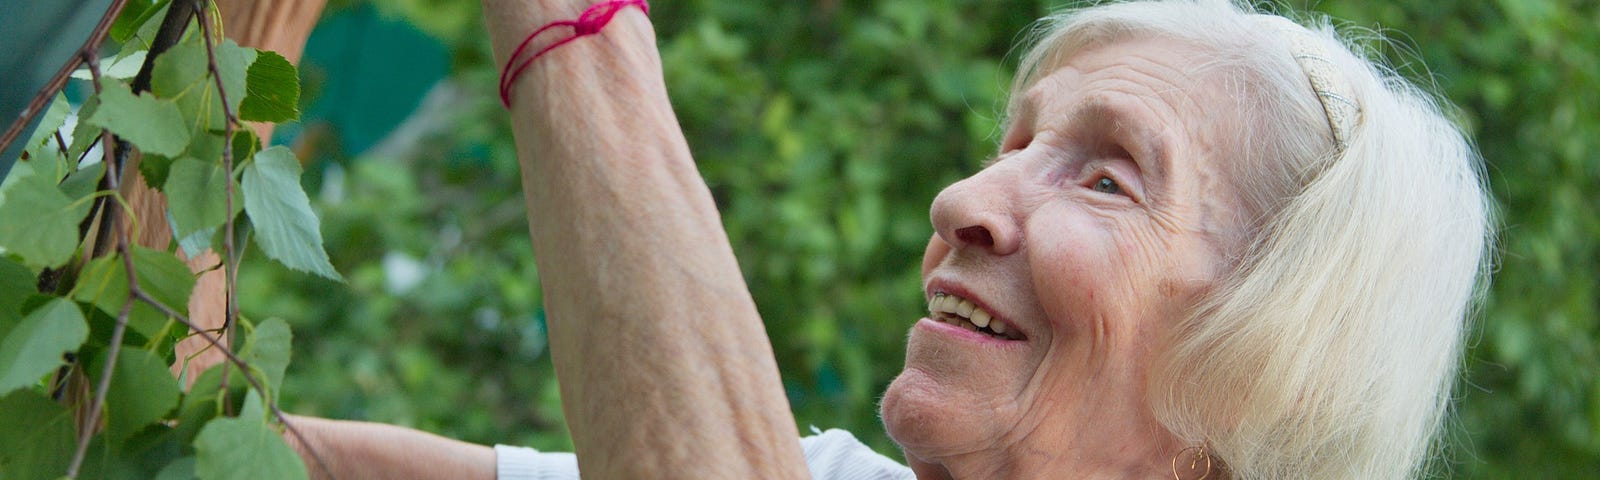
{"x":588,"y":23}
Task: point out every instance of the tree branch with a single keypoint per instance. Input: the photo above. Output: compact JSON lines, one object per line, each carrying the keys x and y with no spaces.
{"x":42,"y":98}
{"x":112,"y":178}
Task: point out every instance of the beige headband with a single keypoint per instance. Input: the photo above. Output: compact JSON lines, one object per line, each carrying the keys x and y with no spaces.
{"x":1331,"y":89}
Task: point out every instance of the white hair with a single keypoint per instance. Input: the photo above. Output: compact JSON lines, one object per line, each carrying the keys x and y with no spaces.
{"x":1331,"y":348}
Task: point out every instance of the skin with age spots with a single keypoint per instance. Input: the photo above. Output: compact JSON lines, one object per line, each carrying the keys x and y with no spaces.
{"x":1105,"y":218}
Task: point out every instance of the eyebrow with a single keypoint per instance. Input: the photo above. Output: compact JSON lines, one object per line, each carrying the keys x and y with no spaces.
{"x":1146,"y":145}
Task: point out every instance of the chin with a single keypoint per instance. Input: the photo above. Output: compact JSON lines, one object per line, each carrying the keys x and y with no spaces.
{"x":927,"y":420}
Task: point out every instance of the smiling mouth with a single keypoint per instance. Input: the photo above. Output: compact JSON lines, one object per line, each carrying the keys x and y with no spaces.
{"x":954,"y":310}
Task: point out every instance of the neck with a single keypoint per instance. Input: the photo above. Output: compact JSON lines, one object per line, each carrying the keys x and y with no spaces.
{"x":1097,"y":447}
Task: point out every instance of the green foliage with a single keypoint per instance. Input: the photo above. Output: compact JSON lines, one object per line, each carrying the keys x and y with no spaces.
{"x":64,"y":316}
{"x":144,"y":120}
{"x":202,"y":185}
{"x":37,"y":222}
{"x":38,"y":436}
{"x":824,"y":130}
{"x":142,"y":392}
{"x":281,"y":212}
{"x":104,"y":284}
{"x":245,"y":448}
{"x":33,"y":347}
{"x":274,"y":90}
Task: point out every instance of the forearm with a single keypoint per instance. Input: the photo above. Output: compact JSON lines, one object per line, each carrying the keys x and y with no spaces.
{"x":664,"y":364}
{"x":361,"y":450}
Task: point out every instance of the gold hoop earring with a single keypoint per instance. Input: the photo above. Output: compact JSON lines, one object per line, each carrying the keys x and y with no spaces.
{"x":1194,"y":461}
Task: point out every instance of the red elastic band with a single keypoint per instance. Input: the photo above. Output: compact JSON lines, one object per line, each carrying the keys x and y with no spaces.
{"x":588,"y":23}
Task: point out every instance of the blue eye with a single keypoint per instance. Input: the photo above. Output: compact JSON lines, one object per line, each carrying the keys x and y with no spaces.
{"x":1107,"y":185}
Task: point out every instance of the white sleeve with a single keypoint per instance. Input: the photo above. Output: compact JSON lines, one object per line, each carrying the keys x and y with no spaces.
{"x":837,"y":455}
{"x":521,"y":463}
{"x":831,"y":455}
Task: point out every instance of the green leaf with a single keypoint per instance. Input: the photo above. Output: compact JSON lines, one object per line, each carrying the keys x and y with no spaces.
{"x":245,"y":448}
{"x":234,"y":62}
{"x":197,"y":191}
{"x":83,"y":182}
{"x":37,"y":221}
{"x":152,"y":124}
{"x":274,"y":90}
{"x":53,"y":119}
{"x":104,"y":283}
{"x":281,"y":213}
{"x":34,"y":347}
{"x":180,"y":469}
{"x":36,"y":436}
{"x":136,"y":14}
{"x":16,"y":284}
{"x":269,"y":351}
{"x":245,"y":144}
{"x":142,"y":391}
{"x":84,"y":135}
{"x":155,"y":168}
{"x":179,"y":70}
{"x":203,"y":402}
{"x":183,"y":75}
{"x":121,"y":67}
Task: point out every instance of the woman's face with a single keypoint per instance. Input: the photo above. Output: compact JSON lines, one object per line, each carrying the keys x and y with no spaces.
{"x":1109,"y":211}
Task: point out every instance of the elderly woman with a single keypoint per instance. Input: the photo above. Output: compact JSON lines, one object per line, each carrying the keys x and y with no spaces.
{"x":1214,"y":244}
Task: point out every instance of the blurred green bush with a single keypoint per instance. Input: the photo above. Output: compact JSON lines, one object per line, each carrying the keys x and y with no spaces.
{"x":825,"y":129}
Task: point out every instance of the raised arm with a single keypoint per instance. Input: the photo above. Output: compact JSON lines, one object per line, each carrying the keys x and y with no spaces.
{"x":665,"y":367}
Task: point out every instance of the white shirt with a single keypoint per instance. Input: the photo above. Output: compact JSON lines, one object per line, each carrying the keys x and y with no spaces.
{"x":831,"y":455}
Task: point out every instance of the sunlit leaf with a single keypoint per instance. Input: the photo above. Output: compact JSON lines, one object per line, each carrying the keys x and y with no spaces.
{"x":152,"y":124}
{"x":281,"y":213}
{"x":34,"y":347}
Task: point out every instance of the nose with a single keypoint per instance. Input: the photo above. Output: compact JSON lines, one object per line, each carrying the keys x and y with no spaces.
{"x":978,"y":212}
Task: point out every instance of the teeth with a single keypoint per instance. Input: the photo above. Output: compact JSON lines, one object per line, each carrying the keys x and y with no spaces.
{"x":979,"y":318}
{"x":965,"y":308}
{"x":964,"y":313}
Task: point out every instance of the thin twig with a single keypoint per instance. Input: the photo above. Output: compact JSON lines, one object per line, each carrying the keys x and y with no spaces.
{"x":244,"y":370}
{"x":230,"y":272}
{"x":62,"y":143}
{"x":86,"y":430}
{"x":230,"y":267}
{"x":42,"y":98}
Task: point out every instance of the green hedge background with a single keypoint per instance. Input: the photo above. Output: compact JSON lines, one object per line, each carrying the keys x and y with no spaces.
{"x":824,"y":129}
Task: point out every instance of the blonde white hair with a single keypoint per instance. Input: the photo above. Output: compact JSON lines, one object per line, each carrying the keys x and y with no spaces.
{"x":1331,"y":349}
